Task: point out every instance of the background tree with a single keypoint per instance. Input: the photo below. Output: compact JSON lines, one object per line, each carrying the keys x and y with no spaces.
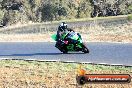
{"x":50,"y":10}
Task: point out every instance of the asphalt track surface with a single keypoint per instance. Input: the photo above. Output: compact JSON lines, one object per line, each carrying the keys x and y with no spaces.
{"x":104,"y":53}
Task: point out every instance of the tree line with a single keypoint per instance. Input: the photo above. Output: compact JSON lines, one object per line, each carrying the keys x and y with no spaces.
{"x":13,"y":11}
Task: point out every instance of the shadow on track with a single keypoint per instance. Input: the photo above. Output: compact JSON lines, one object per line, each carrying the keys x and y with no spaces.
{"x":34,"y":54}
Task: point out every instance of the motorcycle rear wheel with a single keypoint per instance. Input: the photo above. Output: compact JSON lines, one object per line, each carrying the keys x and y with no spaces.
{"x":64,"y":50}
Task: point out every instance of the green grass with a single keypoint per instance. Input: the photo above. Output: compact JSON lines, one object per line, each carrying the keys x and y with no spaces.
{"x":91,"y":19}
{"x":63,"y":66}
{"x":129,"y":17}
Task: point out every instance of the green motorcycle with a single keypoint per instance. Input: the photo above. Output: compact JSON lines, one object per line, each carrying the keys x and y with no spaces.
{"x":71,"y":41}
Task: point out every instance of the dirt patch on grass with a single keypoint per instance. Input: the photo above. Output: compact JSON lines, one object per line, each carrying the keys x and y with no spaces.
{"x":33,"y":74}
{"x":25,"y":38}
{"x":47,"y":38}
{"x":110,"y":38}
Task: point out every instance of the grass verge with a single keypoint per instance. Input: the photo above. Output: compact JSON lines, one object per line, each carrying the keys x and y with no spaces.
{"x":129,"y":17}
{"x":36,"y":74}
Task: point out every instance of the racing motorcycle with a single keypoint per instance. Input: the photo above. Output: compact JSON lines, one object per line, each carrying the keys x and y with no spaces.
{"x":71,"y":41}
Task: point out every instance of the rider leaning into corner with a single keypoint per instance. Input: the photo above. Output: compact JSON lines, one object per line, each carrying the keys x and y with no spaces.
{"x":62,"y":29}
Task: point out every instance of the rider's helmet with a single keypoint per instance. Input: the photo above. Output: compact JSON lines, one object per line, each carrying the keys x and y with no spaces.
{"x":63,"y":26}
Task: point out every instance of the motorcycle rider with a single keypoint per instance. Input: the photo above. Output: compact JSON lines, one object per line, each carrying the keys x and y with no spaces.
{"x":63,"y":29}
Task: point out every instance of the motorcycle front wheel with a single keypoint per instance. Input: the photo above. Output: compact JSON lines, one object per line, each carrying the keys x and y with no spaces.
{"x":85,"y":49}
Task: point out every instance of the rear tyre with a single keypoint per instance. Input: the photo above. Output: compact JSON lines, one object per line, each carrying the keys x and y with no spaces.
{"x":64,"y":50}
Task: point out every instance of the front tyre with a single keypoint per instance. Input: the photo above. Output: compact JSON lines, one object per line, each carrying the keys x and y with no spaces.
{"x":85,"y":49}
